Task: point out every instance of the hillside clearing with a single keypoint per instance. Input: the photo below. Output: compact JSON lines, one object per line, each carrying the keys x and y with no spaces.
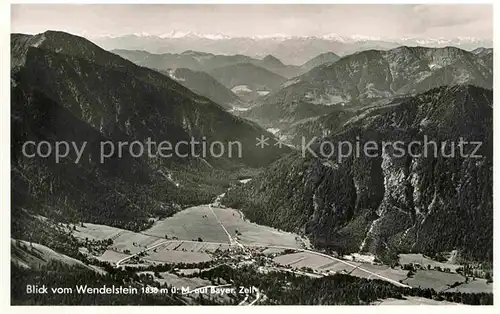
{"x":433,"y":279}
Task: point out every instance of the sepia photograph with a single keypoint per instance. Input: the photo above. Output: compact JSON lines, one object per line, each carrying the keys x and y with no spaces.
{"x":251,"y":154}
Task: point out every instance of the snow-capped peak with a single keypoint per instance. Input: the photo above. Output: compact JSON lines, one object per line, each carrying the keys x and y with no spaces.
{"x":217,"y":36}
{"x":440,"y":40}
{"x":175,"y":34}
{"x":346,"y":39}
{"x":180,"y":34}
{"x":350,"y":38}
{"x":142,"y":34}
{"x":333,"y":36}
{"x":271,"y":36}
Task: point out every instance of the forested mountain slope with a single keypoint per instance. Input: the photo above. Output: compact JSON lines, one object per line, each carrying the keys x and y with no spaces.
{"x":65,"y":88}
{"x":389,"y":202}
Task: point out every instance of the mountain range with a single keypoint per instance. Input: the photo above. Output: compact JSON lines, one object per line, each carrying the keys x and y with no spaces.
{"x":66,"y":88}
{"x":293,"y":50}
{"x":247,"y":77}
{"x":362,"y":78}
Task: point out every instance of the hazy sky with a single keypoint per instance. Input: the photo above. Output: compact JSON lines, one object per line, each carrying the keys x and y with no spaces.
{"x":386,"y":21}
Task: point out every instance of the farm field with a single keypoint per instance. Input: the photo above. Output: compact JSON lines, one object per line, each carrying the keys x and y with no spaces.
{"x":433,"y":279}
{"x":325,"y":265}
{"x":199,"y":222}
{"x":96,"y":232}
{"x":122,"y":239}
{"x":172,"y":251}
{"x":305,"y":259}
{"x":168,"y":256}
{"x":191,"y":223}
{"x":252,"y":234}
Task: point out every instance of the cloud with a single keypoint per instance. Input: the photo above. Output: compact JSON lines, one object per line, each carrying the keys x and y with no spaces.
{"x":459,"y":20}
{"x":389,"y":21}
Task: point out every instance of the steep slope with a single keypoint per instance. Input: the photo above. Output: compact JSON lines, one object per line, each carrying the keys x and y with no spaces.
{"x":375,"y":73}
{"x":485,"y":56}
{"x":327,"y":57}
{"x":386,"y":201}
{"x":329,"y":123}
{"x":65,"y":88}
{"x":205,"y":85}
{"x":247,"y":79}
{"x":361,"y":78}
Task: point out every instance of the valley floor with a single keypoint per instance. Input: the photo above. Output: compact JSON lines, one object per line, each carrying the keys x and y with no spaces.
{"x":213,"y":236}
{"x":208,"y":232}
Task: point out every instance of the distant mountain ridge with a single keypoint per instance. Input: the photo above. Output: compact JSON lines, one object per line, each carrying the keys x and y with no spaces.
{"x":367,"y":76}
{"x":202,"y":61}
{"x":331,"y":36}
{"x":375,"y":73}
{"x":294,"y":50}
